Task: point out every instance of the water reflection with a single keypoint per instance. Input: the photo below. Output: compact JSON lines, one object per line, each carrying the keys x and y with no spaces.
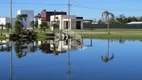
{"x":106,"y":58}
{"x":69,"y":64}
{"x":51,"y":46}
{"x":5,"y":47}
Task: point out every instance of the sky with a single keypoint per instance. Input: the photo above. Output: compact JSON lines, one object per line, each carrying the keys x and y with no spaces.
{"x":89,"y":9}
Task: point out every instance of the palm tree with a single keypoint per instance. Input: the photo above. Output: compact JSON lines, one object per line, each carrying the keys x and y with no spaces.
{"x":8,"y":25}
{"x":107,"y":57}
{"x":107,"y":16}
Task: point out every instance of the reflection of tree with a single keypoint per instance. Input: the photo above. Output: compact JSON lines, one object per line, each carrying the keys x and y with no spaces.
{"x":55,"y":50}
{"x":107,"y":57}
{"x":32,"y":48}
{"x":121,"y":41}
{"x":18,"y":50}
{"x":1,"y":49}
{"x":45,"y":48}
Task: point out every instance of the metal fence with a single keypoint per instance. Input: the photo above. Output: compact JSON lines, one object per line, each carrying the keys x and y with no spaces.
{"x":113,"y":26}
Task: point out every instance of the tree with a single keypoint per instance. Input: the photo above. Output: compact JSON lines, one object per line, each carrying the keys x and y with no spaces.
{"x":21,"y":17}
{"x":32,"y":24}
{"x":36,"y":24}
{"x":141,"y":18}
{"x":19,"y":23}
{"x":107,"y":16}
{"x":8,"y":26}
{"x":107,"y":57}
{"x":1,"y":28}
{"x":38,"y":15}
{"x":44,"y":26}
{"x":18,"y":27}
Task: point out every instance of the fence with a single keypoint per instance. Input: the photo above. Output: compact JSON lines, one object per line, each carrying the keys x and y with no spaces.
{"x":113,"y":26}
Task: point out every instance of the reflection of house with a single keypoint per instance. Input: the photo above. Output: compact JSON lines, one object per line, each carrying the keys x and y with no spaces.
{"x":61,"y":46}
{"x":75,"y":22}
{"x":5,"y":46}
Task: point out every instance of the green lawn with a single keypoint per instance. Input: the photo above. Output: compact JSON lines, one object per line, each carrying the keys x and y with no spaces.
{"x":115,"y":33}
{"x":96,"y":33}
{"x":3,"y":37}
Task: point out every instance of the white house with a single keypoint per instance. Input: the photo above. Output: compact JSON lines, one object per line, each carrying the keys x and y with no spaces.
{"x":4,"y":20}
{"x":62,"y":21}
{"x":30,"y":17}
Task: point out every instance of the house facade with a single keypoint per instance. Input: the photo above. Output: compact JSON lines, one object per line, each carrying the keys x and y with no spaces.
{"x":67,"y":22}
{"x":45,"y":15}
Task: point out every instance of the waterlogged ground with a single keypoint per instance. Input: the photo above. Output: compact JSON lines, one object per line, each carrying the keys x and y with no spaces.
{"x":95,"y":60}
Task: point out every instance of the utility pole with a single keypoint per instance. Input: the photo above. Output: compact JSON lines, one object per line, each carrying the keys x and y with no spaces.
{"x":69,"y":14}
{"x":11,"y":15}
{"x":11,"y":41}
{"x":54,"y":21}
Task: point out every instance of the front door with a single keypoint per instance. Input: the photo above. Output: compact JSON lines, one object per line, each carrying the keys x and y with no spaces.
{"x":78,"y":24}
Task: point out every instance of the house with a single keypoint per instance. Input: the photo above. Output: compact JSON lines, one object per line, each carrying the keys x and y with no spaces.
{"x":4,"y":20}
{"x":62,"y":21}
{"x":45,"y":15}
{"x":29,"y":18}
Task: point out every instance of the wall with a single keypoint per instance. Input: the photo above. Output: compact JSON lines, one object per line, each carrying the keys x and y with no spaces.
{"x":113,"y":26}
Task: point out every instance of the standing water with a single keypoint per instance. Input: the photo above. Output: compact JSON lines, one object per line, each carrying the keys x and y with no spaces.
{"x":92,"y":59}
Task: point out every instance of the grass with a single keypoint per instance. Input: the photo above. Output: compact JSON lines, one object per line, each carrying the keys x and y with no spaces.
{"x":115,"y":33}
{"x":41,"y":36}
{"x":134,"y":34}
{"x":2,"y":37}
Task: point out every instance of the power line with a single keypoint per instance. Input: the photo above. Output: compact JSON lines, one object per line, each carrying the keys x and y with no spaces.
{"x":29,"y":3}
{"x":75,"y":5}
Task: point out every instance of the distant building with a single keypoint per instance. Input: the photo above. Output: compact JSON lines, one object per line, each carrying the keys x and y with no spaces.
{"x":62,"y":20}
{"x":134,"y":23}
{"x":30,"y":17}
{"x":4,"y":20}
